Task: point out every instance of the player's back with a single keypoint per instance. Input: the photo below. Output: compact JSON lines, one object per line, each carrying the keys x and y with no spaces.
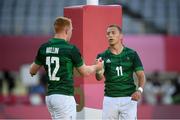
{"x":57,"y":57}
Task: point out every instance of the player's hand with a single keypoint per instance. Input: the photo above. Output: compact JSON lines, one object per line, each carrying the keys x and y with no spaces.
{"x":99,"y":63}
{"x":136,"y":96}
{"x":31,"y":74}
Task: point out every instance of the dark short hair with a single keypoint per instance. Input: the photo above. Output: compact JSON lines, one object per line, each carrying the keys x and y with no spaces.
{"x":116,"y":26}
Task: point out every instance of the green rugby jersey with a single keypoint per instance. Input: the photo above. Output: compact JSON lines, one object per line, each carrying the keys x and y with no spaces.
{"x":119,"y":70}
{"x":58,"y":58}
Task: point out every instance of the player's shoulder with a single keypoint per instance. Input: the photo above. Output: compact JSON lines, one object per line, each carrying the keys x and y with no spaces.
{"x":73,"y":47}
{"x":103,"y":53}
{"x":43,"y":45}
{"x":130,"y":50}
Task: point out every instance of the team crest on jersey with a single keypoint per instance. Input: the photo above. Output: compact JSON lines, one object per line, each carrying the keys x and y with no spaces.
{"x":108,"y":61}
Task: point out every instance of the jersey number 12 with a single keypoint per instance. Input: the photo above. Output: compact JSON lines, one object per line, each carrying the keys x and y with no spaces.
{"x":49,"y":61}
{"x":119,"y":70}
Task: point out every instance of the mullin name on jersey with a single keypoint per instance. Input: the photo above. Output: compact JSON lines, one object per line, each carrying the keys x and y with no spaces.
{"x":52,"y":50}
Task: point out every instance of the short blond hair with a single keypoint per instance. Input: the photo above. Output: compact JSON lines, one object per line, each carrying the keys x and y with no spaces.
{"x":61,"y":23}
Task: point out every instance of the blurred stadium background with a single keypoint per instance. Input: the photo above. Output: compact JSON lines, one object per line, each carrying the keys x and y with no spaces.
{"x":152,"y":27}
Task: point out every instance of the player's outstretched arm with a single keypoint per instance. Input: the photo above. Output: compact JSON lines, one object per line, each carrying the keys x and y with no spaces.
{"x":100,"y":74}
{"x":86,"y":70}
{"x":76,"y":73}
{"x":34,"y":68}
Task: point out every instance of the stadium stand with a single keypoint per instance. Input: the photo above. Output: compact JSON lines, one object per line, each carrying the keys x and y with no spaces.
{"x":34,"y":17}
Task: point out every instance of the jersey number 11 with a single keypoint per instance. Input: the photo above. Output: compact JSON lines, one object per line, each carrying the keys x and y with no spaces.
{"x":119,"y":70}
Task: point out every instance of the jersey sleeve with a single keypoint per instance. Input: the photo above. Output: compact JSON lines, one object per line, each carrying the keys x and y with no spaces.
{"x":76,"y":57}
{"x":38,"y":60}
{"x":98,"y":56}
{"x":137,"y":63}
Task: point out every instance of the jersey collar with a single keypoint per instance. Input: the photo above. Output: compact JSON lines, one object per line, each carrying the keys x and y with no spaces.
{"x":57,"y":40}
{"x":109,"y":52}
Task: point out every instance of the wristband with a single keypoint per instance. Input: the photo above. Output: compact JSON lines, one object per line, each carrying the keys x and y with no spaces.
{"x":140,"y":89}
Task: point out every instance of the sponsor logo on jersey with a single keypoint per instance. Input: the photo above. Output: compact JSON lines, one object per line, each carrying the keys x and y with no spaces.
{"x":108,"y":61}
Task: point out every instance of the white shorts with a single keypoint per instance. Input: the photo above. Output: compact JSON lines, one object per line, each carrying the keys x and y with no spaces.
{"x":119,"y":108}
{"x":61,"y":106}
